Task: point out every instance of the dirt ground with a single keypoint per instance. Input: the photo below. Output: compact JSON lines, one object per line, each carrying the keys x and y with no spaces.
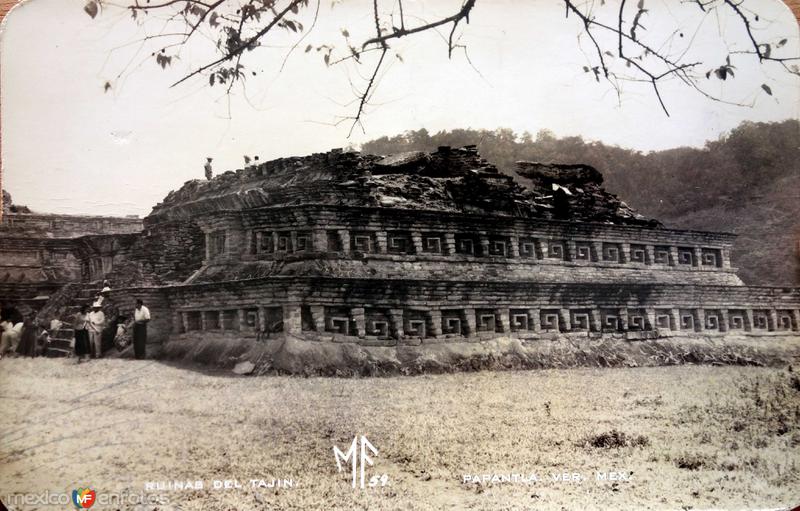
{"x":682,"y":437}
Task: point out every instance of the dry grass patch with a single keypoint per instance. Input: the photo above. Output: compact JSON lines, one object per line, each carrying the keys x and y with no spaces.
{"x":701,"y":437}
{"x":613,"y":440}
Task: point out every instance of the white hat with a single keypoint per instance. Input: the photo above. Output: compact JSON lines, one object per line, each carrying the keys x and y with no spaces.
{"x":106,"y":290}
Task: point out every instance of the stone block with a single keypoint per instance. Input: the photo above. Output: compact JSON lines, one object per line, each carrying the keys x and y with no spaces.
{"x":292,"y":320}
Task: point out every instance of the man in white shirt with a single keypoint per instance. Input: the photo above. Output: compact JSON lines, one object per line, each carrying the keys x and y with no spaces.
{"x":97,"y":322}
{"x":141,"y":316}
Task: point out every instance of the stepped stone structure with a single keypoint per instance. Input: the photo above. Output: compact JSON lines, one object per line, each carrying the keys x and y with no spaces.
{"x":408,"y":249}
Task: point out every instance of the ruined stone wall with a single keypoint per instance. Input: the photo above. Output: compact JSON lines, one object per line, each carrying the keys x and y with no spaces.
{"x":382,"y":243}
{"x":60,"y":248}
{"x":170,"y":251}
{"x":65,"y":226}
{"x":448,"y":180}
{"x":28,"y":259}
{"x":385,"y":266}
{"x":165,"y":253}
{"x":106,"y":256}
{"x":386,"y":312}
{"x":270,"y":183}
{"x":24,"y":295}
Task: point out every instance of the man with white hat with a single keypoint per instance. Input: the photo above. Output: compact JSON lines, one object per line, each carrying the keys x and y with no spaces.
{"x":103,"y":296}
{"x":97,"y":321}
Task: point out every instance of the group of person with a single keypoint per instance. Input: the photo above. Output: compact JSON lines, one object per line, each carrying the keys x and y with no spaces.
{"x":96,"y":328}
{"x":23,"y":335}
{"x":102,"y":325}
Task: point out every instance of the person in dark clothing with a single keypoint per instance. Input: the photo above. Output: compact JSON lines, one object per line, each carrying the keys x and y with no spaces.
{"x":30,"y":334}
{"x":82,"y":349}
{"x":141,"y":316}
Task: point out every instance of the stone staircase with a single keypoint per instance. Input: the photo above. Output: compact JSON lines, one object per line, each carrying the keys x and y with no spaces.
{"x":61,"y":340}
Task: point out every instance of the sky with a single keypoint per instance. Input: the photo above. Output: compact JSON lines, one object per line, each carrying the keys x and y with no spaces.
{"x":71,"y":147}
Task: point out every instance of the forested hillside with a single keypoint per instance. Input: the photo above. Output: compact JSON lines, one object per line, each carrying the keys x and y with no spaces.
{"x":747,"y":182}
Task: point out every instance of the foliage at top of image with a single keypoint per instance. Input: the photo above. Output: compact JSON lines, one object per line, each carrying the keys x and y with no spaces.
{"x":619,"y":47}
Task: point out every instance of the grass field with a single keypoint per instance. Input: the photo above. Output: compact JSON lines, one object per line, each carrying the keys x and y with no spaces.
{"x":686,"y":437}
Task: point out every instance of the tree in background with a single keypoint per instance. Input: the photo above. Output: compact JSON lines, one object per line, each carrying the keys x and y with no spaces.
{"x":615,"y":36}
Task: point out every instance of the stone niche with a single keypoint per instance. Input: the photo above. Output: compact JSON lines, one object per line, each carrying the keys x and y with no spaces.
{"x":416,"y":323}
{"x":468,"y":244}
{"x":454,"y":322}
{"x":339,"y":321}
{"x":377,"y":323}
{"x":399,"y":242}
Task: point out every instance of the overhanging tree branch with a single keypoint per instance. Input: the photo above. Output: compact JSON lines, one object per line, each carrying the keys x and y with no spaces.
{"x":249,"y":44}
{"x":622,"y":49}
{"x":403,"y":32}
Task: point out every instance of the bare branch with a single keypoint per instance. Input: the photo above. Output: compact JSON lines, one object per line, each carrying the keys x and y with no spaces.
{"x":138,"y":6}
{"x":365,"y":96}
{"x":378,"y":24}
{"x":402,"y":32}
{"x":587,"y":26}
{"x":746,"y":22}
{"x":646,"y":60}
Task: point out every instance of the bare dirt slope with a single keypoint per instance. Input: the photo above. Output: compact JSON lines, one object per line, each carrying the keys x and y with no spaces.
{"x":287,"y":354}
{"x":721,"y":437}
